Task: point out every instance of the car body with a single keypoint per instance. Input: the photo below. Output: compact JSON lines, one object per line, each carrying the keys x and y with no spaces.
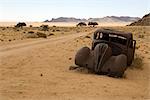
{"x":111,"y":53}
{"x":120,"y":42}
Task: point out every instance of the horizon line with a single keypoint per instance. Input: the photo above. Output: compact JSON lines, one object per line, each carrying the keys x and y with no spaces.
{"x":65,"y":17}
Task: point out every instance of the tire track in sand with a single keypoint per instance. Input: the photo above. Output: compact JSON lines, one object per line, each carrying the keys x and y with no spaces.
{"x":15,"y":48}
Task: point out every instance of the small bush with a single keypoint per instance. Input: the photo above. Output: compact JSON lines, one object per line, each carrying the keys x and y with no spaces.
{"x":32,"y":36}
{"x":44,"y":27}
{"x":3,"y":28}
{"x":31,"y":32}
{"x":141,"y":36}
{"x":137,"y":62}
{"x":78,"y":31}
{"x":1,"y":39}
{"x":58,"y":30}
{"x":137,"y":47}
{"x":87,"y":36}
{"x":50,"y":34}
{"x":43,"y":35}
{"x":20,"y":24}
{"x":81,"y":24}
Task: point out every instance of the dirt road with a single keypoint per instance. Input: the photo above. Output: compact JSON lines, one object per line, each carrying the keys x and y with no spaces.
{"x":5,"y":49}
{"x":38,"y":70}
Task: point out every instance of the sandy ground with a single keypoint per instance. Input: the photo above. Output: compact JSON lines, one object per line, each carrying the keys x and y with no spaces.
{"x":39,"y":70}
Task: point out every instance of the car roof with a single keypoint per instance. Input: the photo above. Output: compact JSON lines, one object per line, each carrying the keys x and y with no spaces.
{"x":114,"y":32}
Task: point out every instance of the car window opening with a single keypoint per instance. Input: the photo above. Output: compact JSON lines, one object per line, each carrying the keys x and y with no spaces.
{"x":112,"y":38}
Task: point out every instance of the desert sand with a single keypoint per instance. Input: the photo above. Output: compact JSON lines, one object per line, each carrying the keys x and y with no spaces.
{"x":64,"y":24}
{"x":38,"y":69}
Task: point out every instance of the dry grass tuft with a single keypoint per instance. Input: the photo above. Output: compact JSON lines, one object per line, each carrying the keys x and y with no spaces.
{"x":32,"y":36}
{"x":137,"y":62}
{"x":50,"y":34}
{"x":31,"y":32}
{"x":42,"y":35}
{"x":141,"y":36}
{"x":87,"y":36}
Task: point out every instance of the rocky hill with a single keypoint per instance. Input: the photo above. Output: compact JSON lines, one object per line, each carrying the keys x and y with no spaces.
{"x":144,"y":21}
{"x":110,"y":19}
{"x":115,"y":19}
{"x":65,"y":19}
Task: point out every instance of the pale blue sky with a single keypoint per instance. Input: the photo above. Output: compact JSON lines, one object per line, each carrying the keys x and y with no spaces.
{"x":39,"y":10}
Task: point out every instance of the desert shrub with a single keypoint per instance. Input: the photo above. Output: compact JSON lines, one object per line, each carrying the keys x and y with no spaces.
{"x":87,"y":36}
{"x":141,"y":36}
{"x":81,"y":24}
{"x":20,"y":24}
{"x":43,"y":35}
{"x":44,"y":27}
{"x":50,"y":34}
{"x":32,"y":36}
{"x":58,"y":30}
{"x":1,"y":39}
{"x":137,"y":62}
{"x":78,"y":31}
{"x":31,"y":32}
{"x":37,"y":35}
{"x":137,"y":46}
{"x":54,"y":26}
{"x":3,"y":28}
{"x":30,"y":26}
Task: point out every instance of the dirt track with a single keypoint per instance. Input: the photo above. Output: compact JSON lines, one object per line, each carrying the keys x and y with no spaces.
{"x":5,"y":49}
{"x":38,"y":70}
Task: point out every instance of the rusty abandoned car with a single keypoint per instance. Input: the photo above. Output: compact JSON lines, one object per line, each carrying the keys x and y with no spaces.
{"x":111,"y":53}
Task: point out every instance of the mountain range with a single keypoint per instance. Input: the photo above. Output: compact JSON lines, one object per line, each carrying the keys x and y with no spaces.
{"x":110,"y":19}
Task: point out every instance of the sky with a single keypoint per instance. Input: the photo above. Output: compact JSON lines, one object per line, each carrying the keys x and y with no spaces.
{"x":40,"y":10}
